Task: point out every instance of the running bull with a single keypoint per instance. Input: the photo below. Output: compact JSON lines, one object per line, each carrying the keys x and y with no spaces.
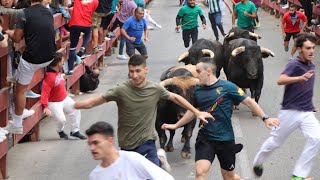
{"x":181,"y":81}
{"x":204,"y":48}
{"x":245,"y":65}
{"x":236,"y":33}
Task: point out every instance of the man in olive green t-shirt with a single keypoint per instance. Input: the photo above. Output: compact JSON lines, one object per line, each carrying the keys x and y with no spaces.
{"x":137,"y":109}
{"x":246,"y":13}
{"x":187,"y":19}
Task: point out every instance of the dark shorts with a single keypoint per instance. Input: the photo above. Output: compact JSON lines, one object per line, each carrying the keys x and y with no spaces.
{"x":249,"y":28}
{"x":130,"y":48}
{"x":289,"y":35}
{"x":187,"y":33}
{"x":206,"y":150}
{"x":105,"y":21}
{"x":148,"y":150}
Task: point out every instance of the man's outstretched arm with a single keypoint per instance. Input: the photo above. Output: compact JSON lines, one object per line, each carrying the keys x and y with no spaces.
{"x":90,"y":103}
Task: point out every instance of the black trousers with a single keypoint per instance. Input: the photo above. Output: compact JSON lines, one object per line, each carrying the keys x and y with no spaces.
{"x":307,"y":6}
{"x":187,"y":33}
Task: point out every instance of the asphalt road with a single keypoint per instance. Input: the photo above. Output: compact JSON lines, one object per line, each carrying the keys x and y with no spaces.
{"x":55,"y":159}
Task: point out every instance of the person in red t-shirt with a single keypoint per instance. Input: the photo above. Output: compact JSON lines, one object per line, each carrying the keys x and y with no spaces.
{"x":80,"y":22}
{"x":291,"y":26}
{"x":55,"y":101}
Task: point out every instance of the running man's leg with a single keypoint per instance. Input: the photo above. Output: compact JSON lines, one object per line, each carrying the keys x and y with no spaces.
{"x":194,"y":35}
{"x":142,"y":49}
{"x":213,"y":25}
{"x":186,"y":37}
{"x":288,"y":123}
{"x":310,"y":128}
{"x":74,"y":115}
{"x":204,"y":157}
{"x":130,"y":49}
{"x":286,"y":41}
{"x":218,"y":20}
{"x":56,"y":109}
{"x":294,"y":49}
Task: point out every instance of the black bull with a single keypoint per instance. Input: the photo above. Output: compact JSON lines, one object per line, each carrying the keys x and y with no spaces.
{"x":244,"y":65}
{"x":181,"y":82}
{"x":204,"y":48}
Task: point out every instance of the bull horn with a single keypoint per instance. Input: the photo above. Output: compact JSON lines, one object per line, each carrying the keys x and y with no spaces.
{"x":266,"y":50}
{"x":166,"y":82}
{"x":182,"y":56}
{"x":238,"y":50}
{"x":208,"y":51}
{"x":254,"y":35}
{"x":229,"y":35}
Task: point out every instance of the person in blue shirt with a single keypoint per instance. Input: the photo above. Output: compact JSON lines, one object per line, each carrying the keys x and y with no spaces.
{"x":216,"y":137}
{"x":132,"y":30}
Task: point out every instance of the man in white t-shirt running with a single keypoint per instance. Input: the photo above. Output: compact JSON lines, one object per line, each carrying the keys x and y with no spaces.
{"x":118,"y":164}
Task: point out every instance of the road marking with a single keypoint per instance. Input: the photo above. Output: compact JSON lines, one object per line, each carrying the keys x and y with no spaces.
{"x":243,"y":159}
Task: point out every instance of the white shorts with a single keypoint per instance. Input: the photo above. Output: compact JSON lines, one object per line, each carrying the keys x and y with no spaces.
{"x":26,"y":70}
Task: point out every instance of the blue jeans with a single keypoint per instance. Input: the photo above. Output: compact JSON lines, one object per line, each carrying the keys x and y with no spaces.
{"x":148,"y":150}
{"x":121,"y":46}
{"x":215,"y":20}
{"x":74,"y":39}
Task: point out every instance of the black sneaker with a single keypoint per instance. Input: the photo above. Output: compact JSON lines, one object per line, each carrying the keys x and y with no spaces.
{"x":258,"y":170}
{"x":78,"y":135}
{"x":63,"y":135}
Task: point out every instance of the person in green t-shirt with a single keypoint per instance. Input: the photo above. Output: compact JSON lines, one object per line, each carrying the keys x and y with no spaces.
{"x":246,"y":13}
{"x":187,"y":19}
{"x":137,"y":109}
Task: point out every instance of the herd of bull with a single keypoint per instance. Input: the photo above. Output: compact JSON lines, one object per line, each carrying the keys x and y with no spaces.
{"x":241,"y":59}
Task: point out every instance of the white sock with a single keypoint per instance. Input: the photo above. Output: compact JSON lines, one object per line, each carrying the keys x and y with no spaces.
{"x":17,"y":120}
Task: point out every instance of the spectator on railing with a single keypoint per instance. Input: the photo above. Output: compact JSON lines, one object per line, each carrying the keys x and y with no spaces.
{"x":126,"y":10}
{"x":7,"y":8}
{"x":89,"y":81}
{"x":291,"y":26}
{"x":106,"y":20}
{"x":103,"y":10}
{"x":307,"y":6}
{"x":56,"y":7}
{"x":133,"y":29}
{"x":55,"y":101}
{"x":246,"y":12}
{"x":80,"y":22}
{"x":35,"y":25}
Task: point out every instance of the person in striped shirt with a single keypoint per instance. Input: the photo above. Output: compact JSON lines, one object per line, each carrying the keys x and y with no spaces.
{"x":215,"y":15}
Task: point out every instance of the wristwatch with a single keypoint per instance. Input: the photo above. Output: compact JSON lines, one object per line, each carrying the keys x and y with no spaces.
{"x":265,"y":117}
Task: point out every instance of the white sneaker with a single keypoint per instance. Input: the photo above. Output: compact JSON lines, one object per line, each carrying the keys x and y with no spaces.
{"x":3,"y":131}
{"x":26,"y":113}
{"x":13,"y":129}
{"x":163,"y":159}
{"x":122,"y":57}
{"x":31,"y":94}
{"x":159,"y":26}
{"x":285,"y":6}
{"x":107,"y":39}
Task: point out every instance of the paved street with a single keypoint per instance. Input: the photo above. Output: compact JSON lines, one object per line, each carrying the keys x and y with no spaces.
{"x":55,"y":159}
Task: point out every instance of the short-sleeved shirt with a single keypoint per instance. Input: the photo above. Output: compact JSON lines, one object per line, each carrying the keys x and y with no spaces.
{"x":104,"y":6}
{"x":218,"y":100}
{"x":126,"y":10}
{"x":190,"y":16}
{"x":292,"y":23}
{"x":135,"y":28}
{"x":298,"y":96}
{"x":137,"y":110}
{"x":243,"y":20}
{"x":37,"y":24}
{"x":214,"y":6}
{"x":82,"y":12}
